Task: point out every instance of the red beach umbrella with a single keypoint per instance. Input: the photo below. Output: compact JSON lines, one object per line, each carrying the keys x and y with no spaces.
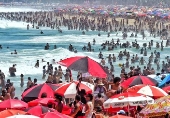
{"x":148,"y":90}
{"x":13,"y":104}
{"x":36,"y":91}
{"x":69,"y":90}
{"x":84,"y":64}
{"x":10,"y":112}
{"x":136,"y":80}
{"x":166,"y":88}
{"x":42,"y":101}
{"x":54,"y":115}
{"x":38,"y":110}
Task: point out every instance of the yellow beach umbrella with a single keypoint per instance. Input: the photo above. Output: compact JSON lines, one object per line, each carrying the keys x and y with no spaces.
{"x":159,"y":108}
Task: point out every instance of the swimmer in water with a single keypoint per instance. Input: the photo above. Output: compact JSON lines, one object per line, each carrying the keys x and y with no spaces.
{"x":41,"y":32}
{"x":43,"y":60}
{"x":37,"y":64}
{"x":15,"y":52}
{"x":53,"y":61}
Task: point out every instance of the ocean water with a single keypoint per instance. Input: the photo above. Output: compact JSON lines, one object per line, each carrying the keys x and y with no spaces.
{"x":30,"y":47}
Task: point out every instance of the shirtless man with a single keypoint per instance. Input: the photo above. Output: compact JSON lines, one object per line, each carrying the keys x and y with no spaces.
{"x":11,"y":90}
{"x":115,"y":87}
{"x":5,"y":95}
{"x":50,"y":78}
{"x":12,"y":70}
{"x":114,"y":58}
{"x":29,"y":83}
{"x":60,"y":72}
{"x":103,"y":62}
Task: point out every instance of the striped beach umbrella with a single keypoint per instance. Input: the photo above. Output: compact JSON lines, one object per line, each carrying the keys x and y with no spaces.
{"x":36,"y":91}
{"x":148,"y":90}
{"x":69,"y":90}
{"x":38,"y":110}
{"x":84,"y":64}
{"x":136,"y":80}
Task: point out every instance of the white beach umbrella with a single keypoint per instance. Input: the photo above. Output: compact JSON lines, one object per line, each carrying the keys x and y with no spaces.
{"x":127,"y":99}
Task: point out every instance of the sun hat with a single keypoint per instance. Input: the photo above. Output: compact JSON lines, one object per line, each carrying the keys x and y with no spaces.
{"x":121,"y":112}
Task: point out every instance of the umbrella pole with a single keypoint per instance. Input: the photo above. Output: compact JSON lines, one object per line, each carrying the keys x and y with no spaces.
{"x":128,"y":110}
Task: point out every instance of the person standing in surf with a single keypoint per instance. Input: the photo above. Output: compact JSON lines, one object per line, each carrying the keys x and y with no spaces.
{"x":22,"y":80}
{"x":12,"y":70}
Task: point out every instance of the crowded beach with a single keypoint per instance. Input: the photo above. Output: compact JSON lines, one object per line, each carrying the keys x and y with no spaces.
{"x":140,"y":90}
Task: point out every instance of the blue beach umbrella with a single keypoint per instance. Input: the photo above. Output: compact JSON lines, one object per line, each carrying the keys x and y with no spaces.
{"x":165,"y":80}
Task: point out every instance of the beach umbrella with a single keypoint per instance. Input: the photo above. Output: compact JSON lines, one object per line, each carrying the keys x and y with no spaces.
{"x":42,"y":101}
{"x":84,"y":64}
{"x":127,"y":99}
{"x":158,"y":78}
{"x":159,"y":108}
{"x":166,"y":88}
{"x":120,"y":116}
{"x":23,"y":116}
{"x":136,"y":80}
{"x":36,"y":91}
{"x":54,"y":115}
{"x":69,"y":90}
{"x":45,"y":101}
{"x":165,"y":80}
{"x":38,"y":110}
{"x":10,"y":112}
{"x":13,"y":104}
{"x":148,"y":90}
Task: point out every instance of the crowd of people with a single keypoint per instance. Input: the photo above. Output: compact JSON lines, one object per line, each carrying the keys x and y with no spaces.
{"x":84,"y":103}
